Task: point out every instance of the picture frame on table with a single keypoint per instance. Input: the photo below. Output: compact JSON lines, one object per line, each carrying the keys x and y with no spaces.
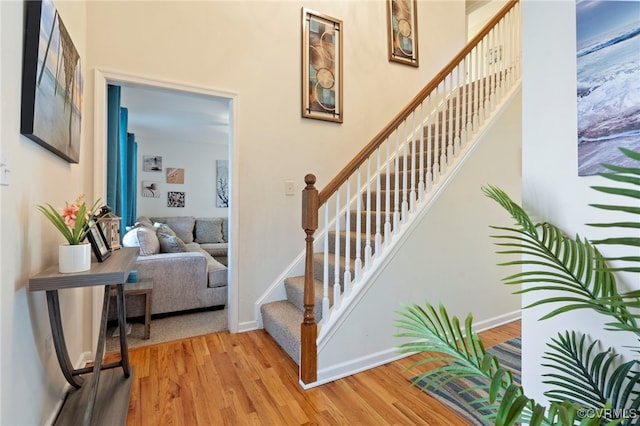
{"x":402,"y":31}
{"x":99,"y":243}
{"x":321,"y":67}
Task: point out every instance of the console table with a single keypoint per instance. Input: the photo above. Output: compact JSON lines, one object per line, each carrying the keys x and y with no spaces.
{"x":113,"y":394}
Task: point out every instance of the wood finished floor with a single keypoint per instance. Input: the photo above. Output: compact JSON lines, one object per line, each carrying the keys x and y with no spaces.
{"x":247,"y":379}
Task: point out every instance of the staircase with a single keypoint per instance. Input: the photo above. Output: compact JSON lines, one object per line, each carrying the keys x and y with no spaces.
{"x":281,"y":319}
{"x":366,"y":208}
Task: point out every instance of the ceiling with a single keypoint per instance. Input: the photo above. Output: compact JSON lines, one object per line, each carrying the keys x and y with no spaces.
{"x":165,"y":114}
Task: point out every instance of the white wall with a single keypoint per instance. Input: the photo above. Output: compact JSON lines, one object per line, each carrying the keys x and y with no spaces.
{"x":551,"y":188}
{"x":449,"y":257}
{"x":253,"y":48}
{"x":31,"y":379}
{"x":199,"y":163}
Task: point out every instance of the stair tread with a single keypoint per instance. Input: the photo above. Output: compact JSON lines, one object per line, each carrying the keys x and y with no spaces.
{"x":282,"y":321}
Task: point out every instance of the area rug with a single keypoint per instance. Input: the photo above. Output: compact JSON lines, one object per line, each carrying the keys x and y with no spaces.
{"x":452,"y":395}
{"x":174,"y":327}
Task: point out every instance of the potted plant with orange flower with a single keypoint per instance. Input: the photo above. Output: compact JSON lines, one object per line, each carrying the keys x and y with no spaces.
{"x":74,"y":221}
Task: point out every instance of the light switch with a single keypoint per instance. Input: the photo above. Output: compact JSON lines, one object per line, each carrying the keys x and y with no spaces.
{"x":289,"y":187}
{"x":4,"y":169}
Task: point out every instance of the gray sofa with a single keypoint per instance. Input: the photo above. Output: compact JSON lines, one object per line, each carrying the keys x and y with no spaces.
{"x":186,"y":258}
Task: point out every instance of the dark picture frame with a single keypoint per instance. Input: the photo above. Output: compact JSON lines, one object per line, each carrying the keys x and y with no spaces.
{"x":52,"y":82}
{"x":321,"y":67}
{"x":402,"y":31}
{"x":99,"y":243}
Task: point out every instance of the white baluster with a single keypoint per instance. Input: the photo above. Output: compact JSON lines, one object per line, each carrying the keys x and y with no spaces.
{"x":443,"y":131}
{"x":357,"y":263}
{"x":336,"y":256}
{"x":405,"y":183}
{"x":436,"y":138}
{"x":450,"y":121}
{"x":347,"y":243}
{"x":458,"y":111}
{"x":463,"y":103}
{"x":396,"y":187}
{"x":325,"y":271}
{"x":367,"y":247}
{"x":429,"y":175}
{"x":422,"y":149}
{"x":476,"y":90}
{"x":387,"y":196}
{"x":412,"y":193}
{"x":378,"y":239}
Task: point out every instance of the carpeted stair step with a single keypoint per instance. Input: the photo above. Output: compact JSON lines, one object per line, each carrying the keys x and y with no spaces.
{"x":282,"y":321}
{"x":392,"y":196}
{"x":294,"y":287}
{"x":372,"y":215}
{"x":318,"y":267}
{"x":353,"y":241}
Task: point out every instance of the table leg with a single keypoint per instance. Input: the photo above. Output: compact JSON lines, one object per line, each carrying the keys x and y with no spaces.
{"x":122,"y":324}
{"x":147,"y":315}
{"x":57,"y":334}
{"x":97,"y":365}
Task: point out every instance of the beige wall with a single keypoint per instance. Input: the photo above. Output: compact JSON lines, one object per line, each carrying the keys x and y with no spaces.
{"x":448,"y":257}
{"x":31,"y":378}
{"x":253,"y":49}
{"x":248,"y":48}
{"x":551,"y":188}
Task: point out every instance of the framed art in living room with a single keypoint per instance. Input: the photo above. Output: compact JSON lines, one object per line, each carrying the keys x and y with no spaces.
{"x":52,"y":82}
{"x":321,"y":67}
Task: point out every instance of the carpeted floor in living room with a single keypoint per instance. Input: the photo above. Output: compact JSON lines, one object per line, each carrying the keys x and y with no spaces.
{"x":167,"y":328}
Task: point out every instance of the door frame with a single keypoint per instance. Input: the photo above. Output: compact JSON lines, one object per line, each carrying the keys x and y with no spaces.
{"x":102,"y":79}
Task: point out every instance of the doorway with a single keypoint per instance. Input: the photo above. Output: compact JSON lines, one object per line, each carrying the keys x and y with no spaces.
{"x":217,"y":109}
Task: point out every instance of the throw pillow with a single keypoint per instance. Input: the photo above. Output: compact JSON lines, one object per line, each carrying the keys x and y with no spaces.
{"x":209,"y":230}
{"x":181,"y":225}
{"x":144,"y":221}
{"x":169,"y":241}
{"x":143,"y":237}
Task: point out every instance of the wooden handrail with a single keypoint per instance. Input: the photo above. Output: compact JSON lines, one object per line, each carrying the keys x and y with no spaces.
{"x":370,"y":148}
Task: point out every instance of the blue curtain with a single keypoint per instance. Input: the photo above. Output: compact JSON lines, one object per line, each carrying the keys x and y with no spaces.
{"x":122,"y":151}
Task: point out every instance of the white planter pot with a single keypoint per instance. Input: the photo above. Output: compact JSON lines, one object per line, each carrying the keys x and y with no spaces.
{"x":76,"y":258}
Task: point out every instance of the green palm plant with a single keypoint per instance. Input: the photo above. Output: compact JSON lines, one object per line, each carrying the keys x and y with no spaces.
{"x":589,"y":385}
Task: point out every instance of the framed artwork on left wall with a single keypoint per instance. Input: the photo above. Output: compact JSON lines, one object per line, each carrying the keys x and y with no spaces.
{"x":52,"y":82}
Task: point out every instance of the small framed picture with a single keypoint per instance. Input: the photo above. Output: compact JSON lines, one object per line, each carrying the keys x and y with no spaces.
{"x":99,"y":242}
{"x":402,"y":31}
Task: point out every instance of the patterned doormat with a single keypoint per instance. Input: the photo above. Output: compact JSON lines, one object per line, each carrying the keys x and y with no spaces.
{"x":453,"y":396}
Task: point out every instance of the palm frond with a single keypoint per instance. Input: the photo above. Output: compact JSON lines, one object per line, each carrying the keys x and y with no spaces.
{"x":589,"y":377}
{"x":572,"y":266}
{"x":441,"y":336}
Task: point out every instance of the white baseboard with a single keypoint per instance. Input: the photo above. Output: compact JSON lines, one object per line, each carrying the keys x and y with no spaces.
{"x":248,"y":326}
{"x":377,"y":359}
{"x":497,"y":321}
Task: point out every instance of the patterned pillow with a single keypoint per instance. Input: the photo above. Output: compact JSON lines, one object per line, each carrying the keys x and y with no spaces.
{"x":209,"y":230}
{"x":169,"y":241}
{"x":143,"y":237}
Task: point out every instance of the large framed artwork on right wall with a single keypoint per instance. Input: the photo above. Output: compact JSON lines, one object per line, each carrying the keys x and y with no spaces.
{"x":608,"y":77}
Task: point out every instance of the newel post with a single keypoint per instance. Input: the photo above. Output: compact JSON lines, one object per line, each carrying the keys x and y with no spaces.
{"x":309,"y":328}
